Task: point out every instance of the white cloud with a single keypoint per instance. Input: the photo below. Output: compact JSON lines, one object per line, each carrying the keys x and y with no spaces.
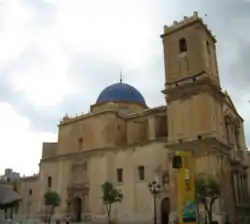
{"x":114,"y":29}
{"x":46,"y":82}
{"x":20,"y":148}
{"x":118,"y":29}
{"x":13,"y":38}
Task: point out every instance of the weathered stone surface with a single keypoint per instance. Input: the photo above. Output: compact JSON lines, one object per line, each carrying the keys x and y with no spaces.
{"x":199,"y":117}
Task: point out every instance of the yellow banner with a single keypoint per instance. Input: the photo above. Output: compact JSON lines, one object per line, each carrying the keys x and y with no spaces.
{"x":186,"y":189}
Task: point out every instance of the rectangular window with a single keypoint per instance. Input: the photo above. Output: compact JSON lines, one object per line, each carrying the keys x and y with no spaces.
{"x":160,"y":127}
{"x":49,"y":181}
{"x":227,"y":132}
{"x":208,"y":47}
{"x":119,"y":173}
{"x":237,"y":138}
{"x":124,"y":110}
{"x":80,"y":144}
{"x":141,"y":172}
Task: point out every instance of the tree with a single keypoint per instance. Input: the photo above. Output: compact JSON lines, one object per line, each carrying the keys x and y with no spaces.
{"x":110,"y":195}
{"x":207,"y":192}
{"x":51,"y":199}
{"x":15,"y":185}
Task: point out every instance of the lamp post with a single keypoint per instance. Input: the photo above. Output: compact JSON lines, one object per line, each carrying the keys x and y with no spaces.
{"x":154,"y":189}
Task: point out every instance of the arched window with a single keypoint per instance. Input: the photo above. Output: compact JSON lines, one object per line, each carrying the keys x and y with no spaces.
{"x":208,"y":47}
{"x":80,"y":144}
{"x":182,"y":45}
{"x":30,"y":192}
{"x":49,"y":181}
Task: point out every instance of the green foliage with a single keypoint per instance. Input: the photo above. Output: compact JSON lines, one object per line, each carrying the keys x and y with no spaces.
{"x":15,"y":185}
{"x":207,"y":191}
{"x":52,"y":198}
{"x":110,"y":195}
{"x":207,"y":187}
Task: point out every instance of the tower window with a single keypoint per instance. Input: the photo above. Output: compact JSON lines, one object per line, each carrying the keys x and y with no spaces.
{"x":182,"y":45}
{"x":30,"y":192}
{"x":141,"y":172}
{"x":49,"y":181}
{"x":237,"y":137}
{"x":208,"y":47}
{"x":80,"y":144}
{"x":119,"y":173}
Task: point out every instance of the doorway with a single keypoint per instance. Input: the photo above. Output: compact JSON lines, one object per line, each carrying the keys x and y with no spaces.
{"x":165,"y":210}
{"x":78,"y":209}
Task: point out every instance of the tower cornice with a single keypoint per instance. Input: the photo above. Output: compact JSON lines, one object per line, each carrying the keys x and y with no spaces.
{"x":186,"y":22}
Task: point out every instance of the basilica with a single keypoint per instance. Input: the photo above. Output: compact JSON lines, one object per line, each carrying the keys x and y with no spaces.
{"x":124,"y":141}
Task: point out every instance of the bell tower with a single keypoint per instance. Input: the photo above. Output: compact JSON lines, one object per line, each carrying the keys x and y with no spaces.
{"x":192,"y":86}
{"x":189,"y":49}
{"x":197,"y":131}
{"x":194,"y":104}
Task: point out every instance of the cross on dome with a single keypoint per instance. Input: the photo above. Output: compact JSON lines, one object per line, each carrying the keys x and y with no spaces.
{"x":120,"y":76}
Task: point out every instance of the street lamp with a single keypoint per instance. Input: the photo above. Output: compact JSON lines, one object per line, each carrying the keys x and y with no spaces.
{"x":154,"y":189}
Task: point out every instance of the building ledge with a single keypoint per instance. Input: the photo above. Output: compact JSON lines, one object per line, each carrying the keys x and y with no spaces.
{"x":202,"y":143}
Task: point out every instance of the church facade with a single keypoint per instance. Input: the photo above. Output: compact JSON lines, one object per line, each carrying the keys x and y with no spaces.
{"x":125,"y":142}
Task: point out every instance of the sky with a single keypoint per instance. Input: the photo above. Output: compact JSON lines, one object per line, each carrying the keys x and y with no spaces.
{"x":56,"y":56}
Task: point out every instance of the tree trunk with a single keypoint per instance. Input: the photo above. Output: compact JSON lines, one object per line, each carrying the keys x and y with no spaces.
{"x":210,"y":217}
{"x":109,"y":218}
{"x":210,"y":212}
{"x":109,"y":214}
{"x":5,"y":213}
{"x":206,"y":213}
{"x":50,"y":214}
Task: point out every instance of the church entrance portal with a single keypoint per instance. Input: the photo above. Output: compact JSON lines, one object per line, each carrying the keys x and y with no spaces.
{"x":78,"y":209}
{"x":165,"y":209}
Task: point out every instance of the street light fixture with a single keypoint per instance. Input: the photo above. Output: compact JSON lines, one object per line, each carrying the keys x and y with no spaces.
{"x":154,"y":189}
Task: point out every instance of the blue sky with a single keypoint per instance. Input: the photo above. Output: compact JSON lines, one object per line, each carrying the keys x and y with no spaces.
{"x":57,"y":56}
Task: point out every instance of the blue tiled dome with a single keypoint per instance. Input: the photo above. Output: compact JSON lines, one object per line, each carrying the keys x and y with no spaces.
{"x":121,"y":92}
